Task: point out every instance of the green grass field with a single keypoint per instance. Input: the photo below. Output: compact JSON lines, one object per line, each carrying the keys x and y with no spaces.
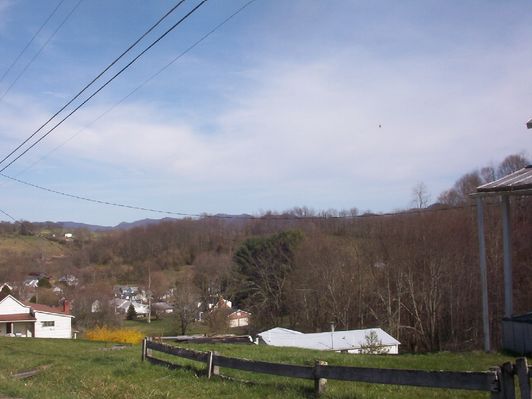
{"x":83,"y":369}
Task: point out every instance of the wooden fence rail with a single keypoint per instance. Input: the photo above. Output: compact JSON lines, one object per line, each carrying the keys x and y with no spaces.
{"x":499,"y":381}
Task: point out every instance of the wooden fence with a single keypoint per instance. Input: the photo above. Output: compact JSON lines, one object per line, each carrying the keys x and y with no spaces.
{"x":498,"y":381}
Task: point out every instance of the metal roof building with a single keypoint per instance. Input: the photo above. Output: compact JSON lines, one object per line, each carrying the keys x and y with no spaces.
{"x":351,"y":341}
{"x":518,"y":183}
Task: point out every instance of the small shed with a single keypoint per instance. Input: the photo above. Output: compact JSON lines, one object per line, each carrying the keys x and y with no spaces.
{"x":238,"y":318}
{"x":517,"y":334}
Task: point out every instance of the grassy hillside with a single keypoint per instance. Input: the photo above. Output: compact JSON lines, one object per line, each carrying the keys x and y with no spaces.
{"x":82,"y":369}
{"x":29,"y":244}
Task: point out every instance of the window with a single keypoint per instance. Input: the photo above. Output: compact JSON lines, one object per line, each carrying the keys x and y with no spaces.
{"x":48,"y":323}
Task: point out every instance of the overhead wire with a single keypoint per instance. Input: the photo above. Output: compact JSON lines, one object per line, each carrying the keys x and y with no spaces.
{"x":28,"y":243}
{"x":218,"y":216}
{"x":104,"y":85}
{"x":8,"y":215}
{"x":183,"y":214}
{"x":32,"y":60}
{"x":166,"y":66}
{"x":31,"y":41}
{"x":95,"y":200}
{"x":170,"y":11}
{"x":145,"y":82}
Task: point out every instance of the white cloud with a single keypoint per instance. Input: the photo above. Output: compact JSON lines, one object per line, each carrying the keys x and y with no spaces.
{"x":308,"y":132}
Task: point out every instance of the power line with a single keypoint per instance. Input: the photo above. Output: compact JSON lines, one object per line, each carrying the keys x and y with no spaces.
{"x":105,"y":84}
{"x":28,"y":243}
{"x":31,"y":41}
{"x":40,"y":51}
{"x":251,"y":217}
{"x":145,"y":82}
{"x":8,"y":215}
{"x":205,"y":36}
{"x":93,"y":80}
{"x":116,"y":204}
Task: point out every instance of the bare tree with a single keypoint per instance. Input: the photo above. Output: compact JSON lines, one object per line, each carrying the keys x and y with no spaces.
{"x":511,"y":164}
{"x":420,"y":195}
{"x":186,"y":303}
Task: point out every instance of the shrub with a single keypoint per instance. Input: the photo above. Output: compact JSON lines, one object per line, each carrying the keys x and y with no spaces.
{"x":120,"y":335}
{"x":131,"y":313}
{"x":373,"y":345}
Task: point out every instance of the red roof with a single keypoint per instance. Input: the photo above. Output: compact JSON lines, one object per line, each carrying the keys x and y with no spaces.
{"x":238,"y":314}
{"x":45,"y":308}
{"x":17,"y":317}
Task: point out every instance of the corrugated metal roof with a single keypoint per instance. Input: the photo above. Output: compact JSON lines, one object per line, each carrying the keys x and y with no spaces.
{"x":519,"y":180}
{"x":337,"y":341}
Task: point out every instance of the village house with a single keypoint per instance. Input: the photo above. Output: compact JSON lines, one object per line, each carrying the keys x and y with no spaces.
{"x":121,"y":306}
{"x":234,"y":317}
{"x":19,"y":319}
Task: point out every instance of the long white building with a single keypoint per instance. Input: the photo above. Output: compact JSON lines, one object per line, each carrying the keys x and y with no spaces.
{"x":18,"y":319}
{"x":351,"y":341}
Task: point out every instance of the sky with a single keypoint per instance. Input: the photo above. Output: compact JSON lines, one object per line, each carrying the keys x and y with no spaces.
{"x":324,"y":104}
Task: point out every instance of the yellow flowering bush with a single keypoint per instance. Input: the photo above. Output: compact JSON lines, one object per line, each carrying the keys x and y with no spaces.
{"x":120,"y":335}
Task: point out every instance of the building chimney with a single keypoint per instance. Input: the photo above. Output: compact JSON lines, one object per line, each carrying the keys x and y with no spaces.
{"x":66,"y":307}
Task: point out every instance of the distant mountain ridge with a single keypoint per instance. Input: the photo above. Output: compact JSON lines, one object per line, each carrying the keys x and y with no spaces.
{"x":120,"y":226}
{"x":140,"y":223}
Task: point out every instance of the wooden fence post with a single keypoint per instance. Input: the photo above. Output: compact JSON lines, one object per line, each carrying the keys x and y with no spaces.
{"x":214,"y":370}
{"x":521,"y":369}
{"x":497,"y":394}
{"x":507,"y":381}
{"x":143,"y":349}
{"x":209,"y":365}
{"x":319,"y":383}
{"x":148,"y":351}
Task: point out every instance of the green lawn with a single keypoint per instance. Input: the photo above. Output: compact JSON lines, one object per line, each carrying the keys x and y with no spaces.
{"x":83,"y":369}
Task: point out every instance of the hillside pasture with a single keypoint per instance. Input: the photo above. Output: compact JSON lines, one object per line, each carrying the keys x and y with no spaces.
{"x":83,"y":369}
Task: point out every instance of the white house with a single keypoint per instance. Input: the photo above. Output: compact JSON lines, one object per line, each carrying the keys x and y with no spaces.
{"x":122,"y":305}
{"x":351,"y":341}
{"x":18,"y":319}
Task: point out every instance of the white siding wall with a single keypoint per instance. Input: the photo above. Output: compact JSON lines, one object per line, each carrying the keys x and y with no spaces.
{"x":241,"y":322}
{"x":62,"y":326}
{"x":11,"y":306}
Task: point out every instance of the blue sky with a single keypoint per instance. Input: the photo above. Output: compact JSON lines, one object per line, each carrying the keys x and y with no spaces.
{"x":279,"y":108}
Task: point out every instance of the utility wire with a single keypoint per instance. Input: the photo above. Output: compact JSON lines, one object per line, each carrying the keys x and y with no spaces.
{"x":144,"y":83}
{"x":187,"y":50}
{"x":95,"y":200}
{"x":31,"y":41}
{"x":93,"y":80}
{"x":251,"y":217}
{"x":9,"y":216}
{"x":28,"y":243}
{"x":105,"y":84}
{"x":40,"y":51}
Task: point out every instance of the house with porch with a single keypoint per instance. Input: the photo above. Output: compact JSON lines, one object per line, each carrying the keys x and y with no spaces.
{"x":19,"y":319}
